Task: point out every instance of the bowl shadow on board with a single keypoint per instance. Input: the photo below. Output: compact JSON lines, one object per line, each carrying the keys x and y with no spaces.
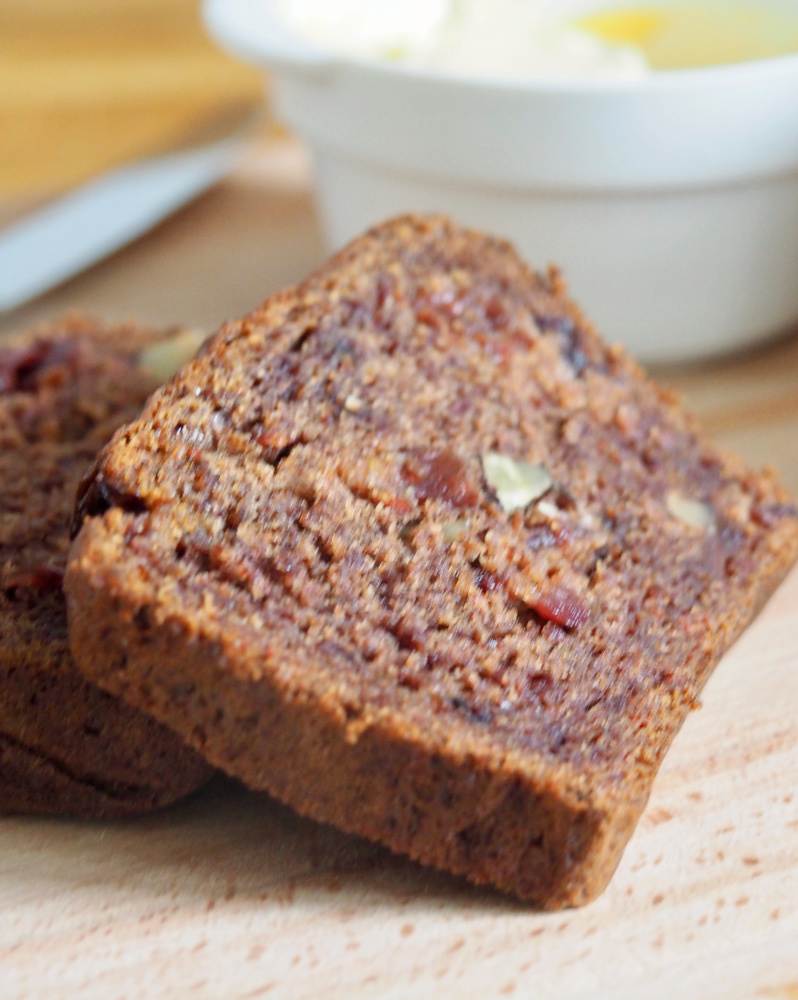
{"x":225,"y":845}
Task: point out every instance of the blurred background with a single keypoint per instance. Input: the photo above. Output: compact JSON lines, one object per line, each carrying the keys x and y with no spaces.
{"x":88,"y":84}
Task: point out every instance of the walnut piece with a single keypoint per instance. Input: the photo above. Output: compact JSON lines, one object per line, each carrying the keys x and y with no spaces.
{"x":696,"y":513}
{"x":515,"y":482}
{"x":165,"y":358}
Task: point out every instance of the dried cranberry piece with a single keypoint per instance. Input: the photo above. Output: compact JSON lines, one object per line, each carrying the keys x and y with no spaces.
{"x":18,"y":364}
{"x":440,"y":475}
{"x":42,"y":577}
{"x":572,"y":339}
{"x":540,"y":536}
{"x":768,"y":515}
{"x":488,"y":582}
{"x":559,"y":605}
{"x":23,"y":369}
{"x":96,"y":495}
{"x":539,"y":680}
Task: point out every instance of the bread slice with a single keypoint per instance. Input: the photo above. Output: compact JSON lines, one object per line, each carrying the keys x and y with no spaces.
{"x":65,"y":745}
{"x":411,"y":549}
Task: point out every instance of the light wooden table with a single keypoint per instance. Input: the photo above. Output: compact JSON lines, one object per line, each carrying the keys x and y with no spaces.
{"x":88,"y":84}
{"x":229,"y":895}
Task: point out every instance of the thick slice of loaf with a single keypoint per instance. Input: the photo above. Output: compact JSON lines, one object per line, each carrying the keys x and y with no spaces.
{"x":65,"y":745}
{"x":411,"y":549}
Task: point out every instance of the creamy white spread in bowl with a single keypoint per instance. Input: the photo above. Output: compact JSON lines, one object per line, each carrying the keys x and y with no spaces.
{"x":505,"y":39}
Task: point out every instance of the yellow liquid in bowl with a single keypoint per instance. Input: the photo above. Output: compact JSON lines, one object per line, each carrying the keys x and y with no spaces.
{"x":690,"y":35}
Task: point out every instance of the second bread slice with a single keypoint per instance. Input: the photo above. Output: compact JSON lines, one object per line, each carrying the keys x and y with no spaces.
{"x":65,"y":745}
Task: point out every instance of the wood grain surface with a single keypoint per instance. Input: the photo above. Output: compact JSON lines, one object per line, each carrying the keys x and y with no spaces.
{"x":230,"y":895}
{"x":88,"y":84}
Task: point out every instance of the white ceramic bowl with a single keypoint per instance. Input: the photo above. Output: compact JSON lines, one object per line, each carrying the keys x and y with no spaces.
{"x":671,"y":202}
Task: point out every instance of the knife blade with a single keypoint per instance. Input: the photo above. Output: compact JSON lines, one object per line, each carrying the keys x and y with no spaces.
{"x":80,"y":228}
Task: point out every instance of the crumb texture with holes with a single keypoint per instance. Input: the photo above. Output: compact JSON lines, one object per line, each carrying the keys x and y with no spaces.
{"x":412,"y":549}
